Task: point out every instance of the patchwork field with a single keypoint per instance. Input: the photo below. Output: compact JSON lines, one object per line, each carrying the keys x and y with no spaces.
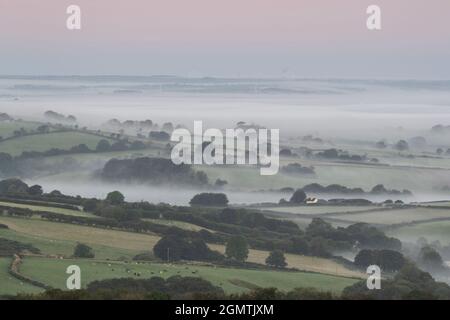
{"x":305,"y":263}
{"x":232,"y":280}
{"x":66,"y":236}
{"x":364,"y":176}
{"x":60,"y":239}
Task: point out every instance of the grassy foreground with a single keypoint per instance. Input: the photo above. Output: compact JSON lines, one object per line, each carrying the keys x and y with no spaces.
{"x":9,"y":284}
{"x":53,"y":272}
{"x":135,"y":242}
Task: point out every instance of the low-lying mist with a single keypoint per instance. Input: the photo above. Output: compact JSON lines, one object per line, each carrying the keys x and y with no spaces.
{"x":145,"y":192}
{"x":345,"y":108}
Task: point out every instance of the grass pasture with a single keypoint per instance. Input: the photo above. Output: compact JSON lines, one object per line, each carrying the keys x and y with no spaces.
{"x":396,"y":216}
{"x":62,"y":247}
{"x":304,"y":263}
{"x":436,"y":204}
{"x":75,"y":233}
{"x":178,"y":224}
{"x":10,"y":285}
{"x":65,"y":236}
{"x":317,"y":210}
{"x":7,"y":128}
{"x":47,"y":208}
{"x":365,"y":176}
{"x":44,"y":142}
{"x":437,"y":230}
{"x":303,"y":222}
{"x":232,"y":280}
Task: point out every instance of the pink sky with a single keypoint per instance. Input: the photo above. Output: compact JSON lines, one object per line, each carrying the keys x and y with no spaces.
{"x":33,"y":32}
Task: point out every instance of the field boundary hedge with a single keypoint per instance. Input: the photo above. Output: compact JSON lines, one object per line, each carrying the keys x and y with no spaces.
{"x":41,"y":203}
{"x":14,"y":271}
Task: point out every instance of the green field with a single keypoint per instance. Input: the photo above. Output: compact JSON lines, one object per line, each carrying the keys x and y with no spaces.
{"x":178,"y":224}
{"x":431,"y":162}
{"x":350,"y":175}
{"x":52,"y":272}
{"x":44,"y":142}
{"x":396,"y":216}
{"x":60,"y":238}
{"x":87,"y":158}
{"x":436,"y":204}
{"x":318,"y":209}
{"x":439,"y":230}
{"x":7,"y":128}
{"x":75,"y":233}
{"x":390,"y":156}
{"x":68,"y":212}
{"x":11,"y":285}
{"x":303,"y":222}
{"x":63,"y":247}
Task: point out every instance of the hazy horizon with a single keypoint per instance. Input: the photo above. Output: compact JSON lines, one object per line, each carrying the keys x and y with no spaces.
{"x":255,"y":38}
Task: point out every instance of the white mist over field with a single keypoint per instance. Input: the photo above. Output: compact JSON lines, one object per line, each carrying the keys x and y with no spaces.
{"x":351,"y":113}
{"x":343,"y":108}
{"x":182,"y":196}
{"x":153,"y":194}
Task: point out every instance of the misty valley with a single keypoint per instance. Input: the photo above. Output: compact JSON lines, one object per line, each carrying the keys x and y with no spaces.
{"x":88,"y":179}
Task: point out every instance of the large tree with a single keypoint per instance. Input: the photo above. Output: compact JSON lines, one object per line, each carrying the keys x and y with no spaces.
{"x":299,"y":196}
{"x":430,"y":259}
{"x":90,"y":205}
{"x":237,"y":248}
{"x":401,"y":145}
{"x":103,"y":146}
{"x":35,"y":190}
{"x":13,"y":186}
{"x":276,"y":259}
{"x":388,"y":260}
{"x":83,"y":251}
{"x":115,"y":198}
{"x":175,"y":247}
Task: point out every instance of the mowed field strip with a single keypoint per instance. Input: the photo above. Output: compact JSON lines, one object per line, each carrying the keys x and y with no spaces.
{"x":62,"y":247}
{"x":65,"y":211}
{"x":178,"y":224}
{"x":90,"y":235}
{"x":146,"y":242}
